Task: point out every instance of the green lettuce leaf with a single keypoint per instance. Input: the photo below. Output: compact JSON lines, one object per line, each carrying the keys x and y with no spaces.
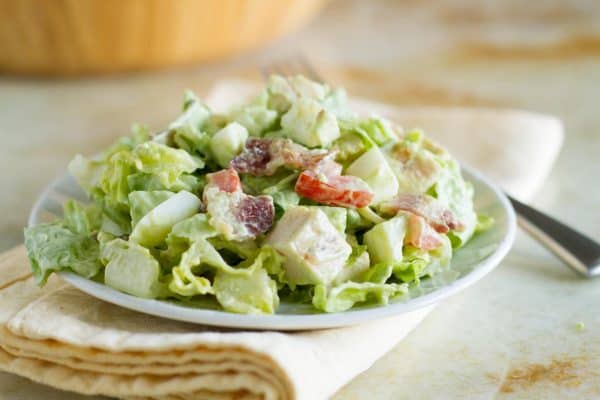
{"x":88,"y":173}
{"x":184,"y":281}
{"x":188,"y":248}
{"x":115,"y":217}
{"x":54,"y":247}
{"x":345,"y":296}
{"x":249,"y":293}
{"x":187,"y":131}
{"x":139,"y":134}
{"x":83,"y":220}
{"x":131,"y":268}
{"x":417,"y":263}
{"x":165,"y":163}
{"x":242,"y":249}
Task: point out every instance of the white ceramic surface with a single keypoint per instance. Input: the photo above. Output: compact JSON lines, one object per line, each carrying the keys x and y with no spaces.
{"x":469,"y":264}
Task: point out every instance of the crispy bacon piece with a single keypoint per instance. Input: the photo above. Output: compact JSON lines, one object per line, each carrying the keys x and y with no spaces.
{"x":226,"y":180}
{"x":255,"y":157}
{"x":420,"y":234}
{"x":256,"y":213}
{"x":439,"y":217}
{"x":262,"y":156}
{"x":336,"y":190}
{"x":295,"y":156}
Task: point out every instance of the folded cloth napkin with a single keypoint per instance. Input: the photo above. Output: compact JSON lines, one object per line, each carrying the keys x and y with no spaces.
{"x":61,"y":337}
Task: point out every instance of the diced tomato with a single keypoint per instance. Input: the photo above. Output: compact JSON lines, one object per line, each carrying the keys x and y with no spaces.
{"x":226,"y":180}
{"x":346,"y":191}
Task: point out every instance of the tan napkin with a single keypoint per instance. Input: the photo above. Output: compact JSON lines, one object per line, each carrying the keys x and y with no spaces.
{"x":66,"y":339}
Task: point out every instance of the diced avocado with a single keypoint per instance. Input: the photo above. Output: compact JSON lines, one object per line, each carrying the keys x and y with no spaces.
{"x":314,"y":250}
{"x":384,"y":240}
{"x":228,"y":143}
{"x":336,"y":215}
{"x":309,"y":123}
{"x":130,"y":268}
{"x":373,"y":168}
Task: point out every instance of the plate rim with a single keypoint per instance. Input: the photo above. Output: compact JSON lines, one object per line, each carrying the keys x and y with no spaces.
{"x":294,"y":322}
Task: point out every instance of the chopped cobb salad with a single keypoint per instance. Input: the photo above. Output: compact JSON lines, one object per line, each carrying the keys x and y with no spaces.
{"x":291,"y":196}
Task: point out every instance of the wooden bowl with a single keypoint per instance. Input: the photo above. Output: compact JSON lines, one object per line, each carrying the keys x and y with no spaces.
{"x":85,"y":36}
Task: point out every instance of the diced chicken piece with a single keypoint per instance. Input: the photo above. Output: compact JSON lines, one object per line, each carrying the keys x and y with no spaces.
{"x":438,"y":216}
{"x":314,"y":250}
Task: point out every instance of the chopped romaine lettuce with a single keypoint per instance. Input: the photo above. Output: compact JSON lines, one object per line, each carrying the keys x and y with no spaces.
{"x":345,"y":296}
{"x":251,"y":293}
{"x":130,"y":268}
{"x":53,"y":247}
{"x":83,"y":220}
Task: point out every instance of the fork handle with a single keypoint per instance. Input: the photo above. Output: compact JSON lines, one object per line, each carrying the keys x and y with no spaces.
{"x":574,"y":248}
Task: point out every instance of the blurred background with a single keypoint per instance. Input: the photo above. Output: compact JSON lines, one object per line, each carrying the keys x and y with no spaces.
{"x":74,"y":74}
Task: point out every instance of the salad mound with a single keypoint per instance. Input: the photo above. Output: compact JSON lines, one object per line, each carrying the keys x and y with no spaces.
{"x":289,"y":196}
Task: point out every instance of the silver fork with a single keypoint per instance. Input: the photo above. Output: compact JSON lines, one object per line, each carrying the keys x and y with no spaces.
{"x":575,"y":249}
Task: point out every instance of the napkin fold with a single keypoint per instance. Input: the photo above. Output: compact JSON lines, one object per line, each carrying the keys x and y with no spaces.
{"x":62,"y":337}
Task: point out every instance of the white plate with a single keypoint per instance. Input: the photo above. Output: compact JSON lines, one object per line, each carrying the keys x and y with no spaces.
{"x":469,"y":264}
